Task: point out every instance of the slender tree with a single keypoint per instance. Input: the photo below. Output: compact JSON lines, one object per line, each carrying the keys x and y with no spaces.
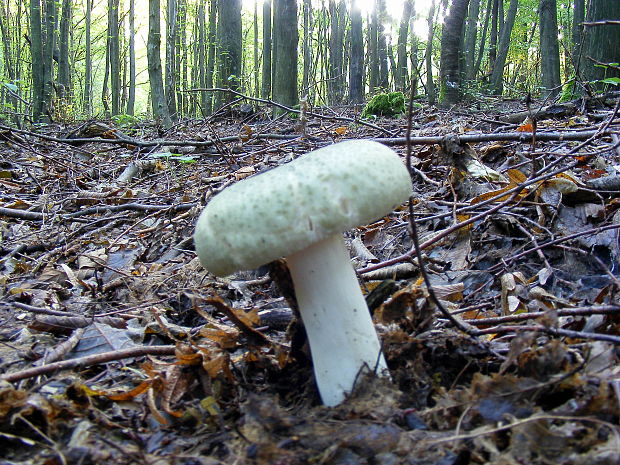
{"x":428,"y":56}
{"x":356,"y":62}
{"x":373,"y":48}
{"x":88,"y":61}
{"x":471,"y":33}
{"x":201,"y":52}
{"x":64,"y":70}
{"x":307,"y":47}
{"x":170,"y":78}
{"x":256,"y":66}
{"x":483,"y":39}
{"x":36,"y":52}
{"x":211,"y":38}
{"x":450,"y":66}
{"x":601,"y":42}
{"x":335,"y":81}
{"x":114,"y":57}
{"x":285,"y":38}
{"x":497,"y":77}
{"x":182,"y":58}
{"x":579,"y":16}
{"x":229,"y":43}
{"x":158,"y":99}
{"x":131,"y":100}
{"x":382,"y":48}
{"x":400,"y":72}
{"x":494,"y":33}
{"x":49,"y":47}
{"x":266,"y":74}
{"x":10,"y":64}
{"x":549,"y":48}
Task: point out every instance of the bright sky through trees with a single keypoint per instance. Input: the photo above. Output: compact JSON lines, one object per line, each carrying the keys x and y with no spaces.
{"x":394,"y":9}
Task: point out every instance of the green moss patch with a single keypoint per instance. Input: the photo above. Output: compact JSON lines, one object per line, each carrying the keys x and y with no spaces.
{"x":390,"y":104}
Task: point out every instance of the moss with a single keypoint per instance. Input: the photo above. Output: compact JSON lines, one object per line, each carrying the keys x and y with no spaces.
{"x":390,"y":104}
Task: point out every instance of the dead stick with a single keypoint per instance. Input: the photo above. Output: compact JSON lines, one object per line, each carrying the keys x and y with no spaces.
{"x":89,"y":360}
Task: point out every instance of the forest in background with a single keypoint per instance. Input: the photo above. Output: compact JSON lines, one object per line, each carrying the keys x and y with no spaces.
{"x":494,"y":290}
{"x":77,"y":59}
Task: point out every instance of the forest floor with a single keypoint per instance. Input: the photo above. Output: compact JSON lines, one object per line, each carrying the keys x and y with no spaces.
{"x":116,"y":347}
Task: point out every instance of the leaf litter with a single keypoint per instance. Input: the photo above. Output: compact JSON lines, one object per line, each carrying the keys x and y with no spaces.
{"x":117,"y":347}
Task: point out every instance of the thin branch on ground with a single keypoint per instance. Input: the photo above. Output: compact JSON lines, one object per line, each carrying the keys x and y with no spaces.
{"x":89,"y":360}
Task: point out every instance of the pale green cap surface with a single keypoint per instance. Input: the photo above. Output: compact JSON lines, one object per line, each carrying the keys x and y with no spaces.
{"x":288,"y":208}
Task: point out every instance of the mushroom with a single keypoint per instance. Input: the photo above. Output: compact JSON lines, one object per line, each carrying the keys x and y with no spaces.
{"x":299,"y":211}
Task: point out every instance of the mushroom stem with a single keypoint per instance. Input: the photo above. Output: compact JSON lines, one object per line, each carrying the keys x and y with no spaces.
{"x":342,"y":337}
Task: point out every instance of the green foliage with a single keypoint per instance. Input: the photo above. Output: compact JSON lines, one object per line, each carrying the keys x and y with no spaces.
{"x":174,"y":157}
{"x":63,"y":110}
{"x":614,"y":81}
{"x":10,"y":86}
{"x":124,"y":121}
{"x":568,"y":91}
{"x":390,"y":104}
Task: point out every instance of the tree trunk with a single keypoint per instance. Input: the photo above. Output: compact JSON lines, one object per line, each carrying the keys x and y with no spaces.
{"x":450,"y":69}
{"x":384,"y":77}
{"x":579,"y":16}
{"x":373,"y":47}
{"x":158,"y":98}
{"x":229,"y":43}
{"x":471,"y":33}
{"x":356,"y":63}
{"x":38,"y":66}
{"x":9,"y":62}
{"x":602,"y":42}
{"x":400,"y":72}
{"x":428,"y":56}
{"x":305,"y":82}
{"x":49,"y":45}
{"x":64,"y":70}
{"x":549,"y":48}
{"x":182,"y":64}
{"x":211,"y":38}
{"x":171,"y":72}
{"x":114,"y":56}
{"x":256,"y":66}
{"x":483,"y":39}
{"x":200,"y":48}
{"x":88,"y":62}
{"x":497,"y":83}
{"x":336,"y":50}
{"x":494,"y":33}
{"x":414,"y":57}
{"x":266,"y":78}
{"x":286,"y":38}
{"x":131,"y":101}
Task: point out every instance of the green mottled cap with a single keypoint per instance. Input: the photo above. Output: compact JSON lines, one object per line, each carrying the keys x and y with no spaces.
{"x":286,"y":209}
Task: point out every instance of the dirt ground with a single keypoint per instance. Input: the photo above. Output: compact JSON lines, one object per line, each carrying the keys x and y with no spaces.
{"x":116,"y":347}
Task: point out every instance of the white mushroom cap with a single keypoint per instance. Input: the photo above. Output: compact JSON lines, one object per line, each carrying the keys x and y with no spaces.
{"x":298,"y":211}
{"x":285,"y":210}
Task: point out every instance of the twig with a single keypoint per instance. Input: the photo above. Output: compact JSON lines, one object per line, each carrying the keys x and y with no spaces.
{"x":592,"y":231}
{"x":579,"y":311}
{"x":416,"y":241}
{"x":482,"y":431}
{"x":552,"y":331}
{"x":524,"y":137}
{"x":89,"y":360}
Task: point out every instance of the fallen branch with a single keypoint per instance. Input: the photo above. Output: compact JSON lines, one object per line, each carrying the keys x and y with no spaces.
{"x":552,"y":331}
{"x":579,"y":311}
{"x":133,"y":206}
{"x":89,"y":360}
{"x":524,"y":137}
